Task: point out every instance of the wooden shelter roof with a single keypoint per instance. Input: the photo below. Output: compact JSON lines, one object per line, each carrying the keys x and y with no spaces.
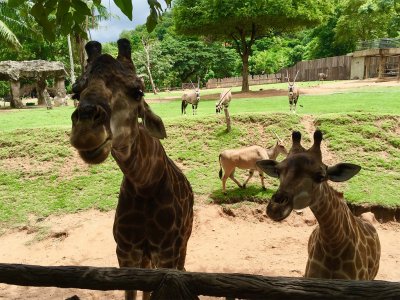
{"x":30,"y":69}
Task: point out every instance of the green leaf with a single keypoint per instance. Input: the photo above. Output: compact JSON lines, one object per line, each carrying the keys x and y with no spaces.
{"x":62,"y":10}
{"x":152,"y":20}
{"x":15,"y":3}
{"x":66,"y":23}
{"x":81,"y":7}
{"x":125,"y":6}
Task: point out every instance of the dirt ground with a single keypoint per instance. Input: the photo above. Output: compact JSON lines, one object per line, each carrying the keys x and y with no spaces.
{"x":240,"y":240}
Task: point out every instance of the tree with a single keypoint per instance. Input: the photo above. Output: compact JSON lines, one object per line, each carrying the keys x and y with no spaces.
{"x":245,"y":21}
{"x":71,"y":16}
{"x":11,"y":21}
{"x":362,"y":20}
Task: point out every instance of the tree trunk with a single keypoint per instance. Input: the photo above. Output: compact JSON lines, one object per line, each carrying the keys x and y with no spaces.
{"x":146,"y":48}
{"x":71,"y":59}
{"x":245,"y":72}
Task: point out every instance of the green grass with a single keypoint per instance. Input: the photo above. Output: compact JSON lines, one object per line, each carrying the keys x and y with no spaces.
{"x":41,"y":176}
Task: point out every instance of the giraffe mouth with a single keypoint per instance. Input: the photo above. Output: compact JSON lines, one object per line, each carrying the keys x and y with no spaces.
{"x":97,"y":155}
{"x":280,"y":207}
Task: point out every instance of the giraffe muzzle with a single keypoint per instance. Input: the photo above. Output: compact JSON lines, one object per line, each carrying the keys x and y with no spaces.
{"x":280,"y":206}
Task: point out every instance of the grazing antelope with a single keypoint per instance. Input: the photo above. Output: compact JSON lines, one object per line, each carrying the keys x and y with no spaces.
{"x":246,"y":158}
{"x":192,"y":97}
{"x":224,"y":99}
{"x":294,"y":92}
{"x":322,"y":76}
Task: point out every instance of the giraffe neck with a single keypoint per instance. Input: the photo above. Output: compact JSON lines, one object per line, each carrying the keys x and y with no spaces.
{"x":142,"y":159}
{"x":335,"y":219}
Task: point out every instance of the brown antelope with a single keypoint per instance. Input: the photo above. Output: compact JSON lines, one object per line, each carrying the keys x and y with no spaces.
{"x":245,"y":159}
{"x":294,"y":92}
{"x":322,"y":76}
{"x":224,"y":99}
{"x":192,"y":97}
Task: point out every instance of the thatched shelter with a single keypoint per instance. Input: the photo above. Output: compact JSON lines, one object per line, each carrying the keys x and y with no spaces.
{"x":37,"y":70}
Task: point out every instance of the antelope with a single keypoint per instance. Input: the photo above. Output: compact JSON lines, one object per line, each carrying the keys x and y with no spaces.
{"x":245,"y":159}
{"x":294,"y":92}
{"x":322,"y":76}
{"x":192,"y":97}
{"x":224,"y":99}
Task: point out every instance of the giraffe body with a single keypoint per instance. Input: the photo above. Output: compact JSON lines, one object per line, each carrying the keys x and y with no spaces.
{"x":342,"y":246}
{"x":154,"y":215}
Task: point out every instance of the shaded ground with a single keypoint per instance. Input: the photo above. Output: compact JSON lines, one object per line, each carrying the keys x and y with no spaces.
{"x":239,"y":240}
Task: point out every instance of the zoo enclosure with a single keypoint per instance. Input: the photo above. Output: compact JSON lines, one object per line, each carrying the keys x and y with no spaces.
{"x":173,"y":284}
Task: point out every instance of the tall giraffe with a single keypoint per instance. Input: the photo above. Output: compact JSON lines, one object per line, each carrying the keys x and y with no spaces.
{"x":342,"y":246}
{"x":154,"y":215}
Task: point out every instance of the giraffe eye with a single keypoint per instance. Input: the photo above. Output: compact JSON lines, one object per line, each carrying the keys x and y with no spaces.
{"x":319,"y":177}
{"x":137,"y":93}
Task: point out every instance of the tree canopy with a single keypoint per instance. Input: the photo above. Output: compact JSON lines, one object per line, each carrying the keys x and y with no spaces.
{"x":245,"y":21}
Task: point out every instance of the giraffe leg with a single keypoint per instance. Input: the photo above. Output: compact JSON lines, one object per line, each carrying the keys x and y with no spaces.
{"x":146,"y":264}
{"x":251,"y":173}
{"x":132,"y":261}
{"x":262,"y":181}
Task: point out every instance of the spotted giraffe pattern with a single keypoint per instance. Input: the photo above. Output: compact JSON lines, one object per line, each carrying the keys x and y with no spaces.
{"x":154,"y":215}
{"x":342,"y":246}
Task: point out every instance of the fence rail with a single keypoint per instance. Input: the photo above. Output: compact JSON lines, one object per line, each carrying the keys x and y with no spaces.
{"x":173,"y":284}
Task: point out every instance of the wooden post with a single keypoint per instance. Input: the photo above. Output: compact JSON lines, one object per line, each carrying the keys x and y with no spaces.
{"x":398,"y":68}
{"x":15,"y":101}
{"x":382,"y":63}
{"x":227,"y":119}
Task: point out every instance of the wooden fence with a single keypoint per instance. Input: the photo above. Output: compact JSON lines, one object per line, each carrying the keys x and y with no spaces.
{"x":337,"y":68}
{"x":173,"y":284}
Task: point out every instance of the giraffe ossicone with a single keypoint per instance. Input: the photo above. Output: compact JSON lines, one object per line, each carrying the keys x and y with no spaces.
{"x":154,"y":215}
{"x":342,"y":246}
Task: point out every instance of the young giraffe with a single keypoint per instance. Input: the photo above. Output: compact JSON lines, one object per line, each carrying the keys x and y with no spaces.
{"x":342,"y":246}
{"x":154,"y":216}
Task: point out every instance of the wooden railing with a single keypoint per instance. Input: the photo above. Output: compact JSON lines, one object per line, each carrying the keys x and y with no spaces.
{"x":173,"y":284}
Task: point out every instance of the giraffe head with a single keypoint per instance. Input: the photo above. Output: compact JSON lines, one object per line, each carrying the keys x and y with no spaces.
{"x":110,"y":103}
{"x":300,"y":174}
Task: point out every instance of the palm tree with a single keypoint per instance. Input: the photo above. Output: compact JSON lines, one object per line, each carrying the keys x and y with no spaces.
{"x":9,"y":20}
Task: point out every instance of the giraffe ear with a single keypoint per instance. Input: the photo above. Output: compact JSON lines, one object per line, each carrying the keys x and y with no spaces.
{"x":342,"y":172}
{"x":152,"y":122}
{"x":269,"y":167}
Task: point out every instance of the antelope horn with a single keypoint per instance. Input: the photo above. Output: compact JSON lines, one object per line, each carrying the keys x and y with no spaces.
{"x":225,"y":94}
{"x":296,"y":76}
{"x":281,"y":141}
{"x":192,"y":85}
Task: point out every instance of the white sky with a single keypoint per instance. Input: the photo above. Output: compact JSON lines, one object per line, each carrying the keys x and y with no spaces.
{"x":110,"y":30}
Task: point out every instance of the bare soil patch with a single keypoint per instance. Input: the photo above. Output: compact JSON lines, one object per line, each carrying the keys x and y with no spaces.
{"x":231,"y":239}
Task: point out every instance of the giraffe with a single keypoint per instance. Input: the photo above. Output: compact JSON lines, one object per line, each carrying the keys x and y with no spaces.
{"x":342,"y":246}
{"x":154,"y":214}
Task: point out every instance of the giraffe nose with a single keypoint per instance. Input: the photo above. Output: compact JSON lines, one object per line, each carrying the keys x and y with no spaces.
{"x":280,"y":197}
{"x":88,"y":112}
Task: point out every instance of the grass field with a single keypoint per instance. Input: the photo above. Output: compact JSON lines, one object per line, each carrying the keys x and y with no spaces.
{"x":42,"y":175}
